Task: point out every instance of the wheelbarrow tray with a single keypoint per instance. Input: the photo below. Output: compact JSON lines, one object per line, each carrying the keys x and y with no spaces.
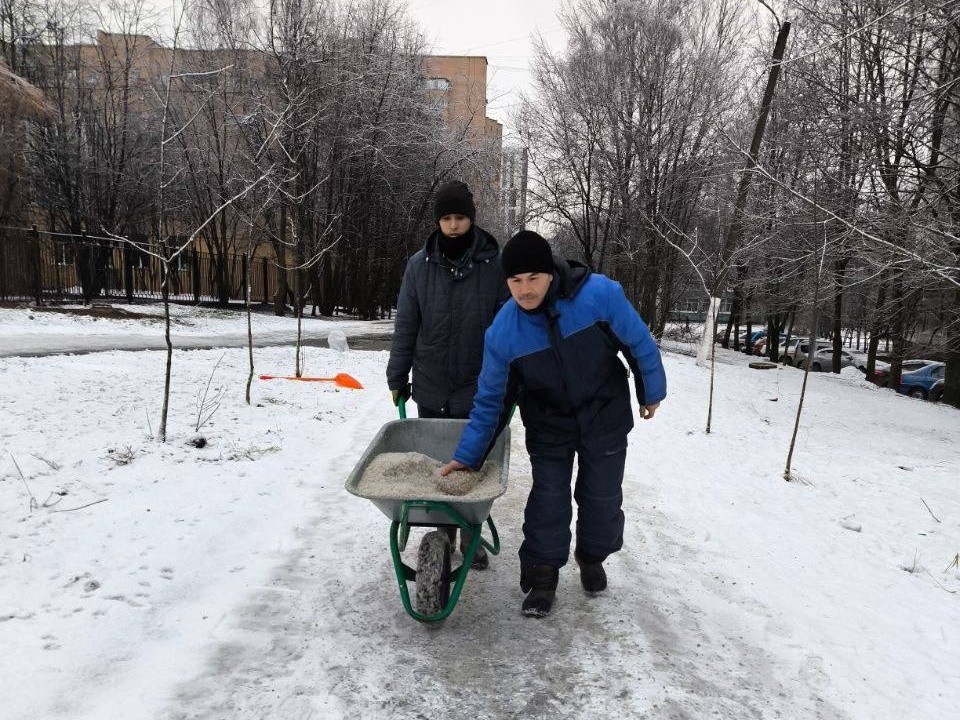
{"x":438,"y":439}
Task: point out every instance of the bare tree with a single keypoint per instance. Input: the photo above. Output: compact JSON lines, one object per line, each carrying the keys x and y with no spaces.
{"x":170,"y":245}
{"x":92,"y":158}
{"x":811,"y":349}
{"x":19,"y":102}
{"x":623,"y":131}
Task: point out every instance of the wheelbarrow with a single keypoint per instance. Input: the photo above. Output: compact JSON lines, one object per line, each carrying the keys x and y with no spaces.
{"x":438,"y":586}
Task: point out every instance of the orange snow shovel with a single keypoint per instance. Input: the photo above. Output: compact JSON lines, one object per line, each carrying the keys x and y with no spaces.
{"x":341,"y":379}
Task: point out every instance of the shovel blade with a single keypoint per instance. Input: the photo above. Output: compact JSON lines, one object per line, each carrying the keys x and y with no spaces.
{"x":340,"y":379}
{"x":347,"y":381}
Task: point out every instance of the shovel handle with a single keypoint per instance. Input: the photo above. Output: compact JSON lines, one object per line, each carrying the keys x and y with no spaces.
{"x":402,"y":409}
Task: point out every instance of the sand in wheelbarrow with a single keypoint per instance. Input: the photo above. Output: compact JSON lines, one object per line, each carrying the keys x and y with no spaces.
{"x":413,"y":475}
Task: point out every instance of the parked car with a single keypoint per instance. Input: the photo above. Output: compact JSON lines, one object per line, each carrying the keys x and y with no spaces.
{"x":743,"y":338}
{"x":912,"y":365}
{"x":920,"y":382}
{"x":760,"y":347}
{"x":936,"y":392}
{"x":723,"y":331}
{"x":787,"y":350}
{"x":882,"y":370}
{"x":796,"y":353}
{"x":823,"y":360}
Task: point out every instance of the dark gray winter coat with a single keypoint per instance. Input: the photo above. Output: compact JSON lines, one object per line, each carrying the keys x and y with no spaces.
{"x":443,"y":310}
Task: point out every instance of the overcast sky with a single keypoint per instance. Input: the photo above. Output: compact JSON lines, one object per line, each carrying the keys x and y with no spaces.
{"x":499,"y":29}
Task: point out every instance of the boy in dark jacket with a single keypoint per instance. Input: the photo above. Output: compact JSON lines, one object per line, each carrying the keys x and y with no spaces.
{"x":450,"y":293}
{"x":554,"y":346}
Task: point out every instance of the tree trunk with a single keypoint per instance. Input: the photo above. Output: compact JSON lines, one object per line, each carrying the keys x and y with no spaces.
{"x":280,"y":299}
{"x":731,"y":318}
{"x":839,"y":272}
{"x":735,"y":232}
{"x":246,"y":301}
{"x":164,"y":411}
{"x":222,"y":279}
{"x":897,"y":330}
{"x":873,"y":345}
{"x":773,"y":337}
{"x":811,"y":349}
{"x":951,"y":383}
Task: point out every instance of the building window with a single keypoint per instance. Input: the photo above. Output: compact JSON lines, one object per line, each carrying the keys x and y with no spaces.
{"x":436,"y":84}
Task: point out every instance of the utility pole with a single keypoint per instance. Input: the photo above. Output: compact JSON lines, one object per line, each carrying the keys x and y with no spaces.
{"x":735,"y":233}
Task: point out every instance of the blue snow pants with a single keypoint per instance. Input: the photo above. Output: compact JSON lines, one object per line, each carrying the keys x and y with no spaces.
{"x":598,"y":492}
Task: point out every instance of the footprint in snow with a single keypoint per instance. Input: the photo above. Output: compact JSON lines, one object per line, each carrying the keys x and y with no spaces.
{"x":812,"y":672}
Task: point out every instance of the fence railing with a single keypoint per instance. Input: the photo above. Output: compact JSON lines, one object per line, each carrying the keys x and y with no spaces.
{"x":56,"y":267}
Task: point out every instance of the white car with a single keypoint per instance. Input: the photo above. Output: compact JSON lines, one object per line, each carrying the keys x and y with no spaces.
{"x":823,"y":360}
{"x":795,"y":353}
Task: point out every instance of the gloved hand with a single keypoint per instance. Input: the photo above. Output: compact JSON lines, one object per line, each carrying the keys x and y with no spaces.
{"x":402,"y":393}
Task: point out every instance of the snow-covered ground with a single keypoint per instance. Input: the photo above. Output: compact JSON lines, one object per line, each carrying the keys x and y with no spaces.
{"x":56,"y":329}
{"x":242,"y":581}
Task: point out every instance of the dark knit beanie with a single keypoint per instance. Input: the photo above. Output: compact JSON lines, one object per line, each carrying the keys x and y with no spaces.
{"x":526,"y":252}
{"x":454,"y":198}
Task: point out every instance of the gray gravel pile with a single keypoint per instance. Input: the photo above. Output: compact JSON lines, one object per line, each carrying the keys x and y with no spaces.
{"x":415,"y":476}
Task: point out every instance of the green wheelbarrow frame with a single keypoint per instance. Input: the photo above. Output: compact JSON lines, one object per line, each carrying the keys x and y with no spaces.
{"x":400,"y":532}
{"x":405,"y":513}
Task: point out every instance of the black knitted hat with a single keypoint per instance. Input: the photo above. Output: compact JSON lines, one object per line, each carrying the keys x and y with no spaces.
{"x":527,"y":252}
{"x":454,"y":198}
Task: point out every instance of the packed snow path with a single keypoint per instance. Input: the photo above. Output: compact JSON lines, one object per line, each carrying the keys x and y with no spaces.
{"x":332,"y":634}
{"x":241,"y":581}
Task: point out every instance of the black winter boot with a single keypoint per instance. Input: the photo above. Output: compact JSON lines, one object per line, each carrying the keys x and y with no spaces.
{"x":541,"y":581}
{"x":592,"y":575}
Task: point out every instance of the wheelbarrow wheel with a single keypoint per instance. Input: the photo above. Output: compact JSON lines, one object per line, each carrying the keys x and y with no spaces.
{"x":433,"y":573}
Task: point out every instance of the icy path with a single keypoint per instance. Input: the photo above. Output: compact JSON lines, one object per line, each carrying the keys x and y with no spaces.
{"x":329,"y":638}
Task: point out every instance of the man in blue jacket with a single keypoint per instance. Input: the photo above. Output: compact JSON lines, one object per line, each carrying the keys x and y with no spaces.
{"x":451,"y":291}
{"x":554,"y":349}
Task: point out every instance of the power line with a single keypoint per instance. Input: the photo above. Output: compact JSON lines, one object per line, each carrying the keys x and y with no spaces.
{"x":525,"y":36}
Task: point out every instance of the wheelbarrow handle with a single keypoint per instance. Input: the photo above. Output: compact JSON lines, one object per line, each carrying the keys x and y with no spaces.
{"x":402,"y":409}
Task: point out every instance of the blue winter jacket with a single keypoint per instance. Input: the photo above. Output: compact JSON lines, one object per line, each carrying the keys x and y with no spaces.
{"x":560,"y":364}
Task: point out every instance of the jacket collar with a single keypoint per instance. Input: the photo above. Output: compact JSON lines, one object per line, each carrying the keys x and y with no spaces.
{"x":485,"y":247}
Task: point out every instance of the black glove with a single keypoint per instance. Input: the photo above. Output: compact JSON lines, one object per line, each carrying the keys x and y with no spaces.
{"x":402,"y":393}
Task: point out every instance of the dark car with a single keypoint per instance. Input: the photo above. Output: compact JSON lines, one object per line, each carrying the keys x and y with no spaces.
{"x":920,"y":382}
{"x":733,"y":337}
{"x":760,"y":346}
{"x":936,"y":392}
{"x":882,"y":370}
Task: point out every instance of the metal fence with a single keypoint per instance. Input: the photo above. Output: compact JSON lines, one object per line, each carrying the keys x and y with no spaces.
{"x":55,"y":267}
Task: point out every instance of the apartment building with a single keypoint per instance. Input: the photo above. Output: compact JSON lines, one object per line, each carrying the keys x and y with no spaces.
{"x":459,"y":84}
